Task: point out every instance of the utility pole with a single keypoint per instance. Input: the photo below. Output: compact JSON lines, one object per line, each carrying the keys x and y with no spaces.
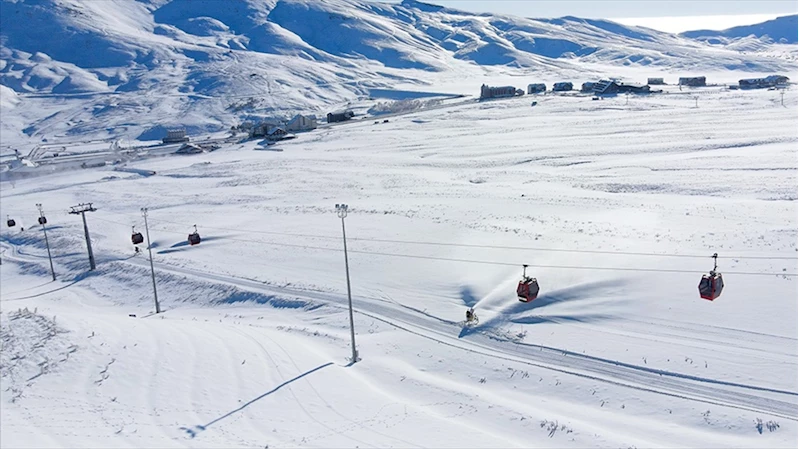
{"x":697,"y":101}
{"x":43,"y":222}
{"x":341,"y":210}
{"x":82,"y":209}
{"x":782,"y":97}
{"x":628,"y":98}
{"x":150,"y":250}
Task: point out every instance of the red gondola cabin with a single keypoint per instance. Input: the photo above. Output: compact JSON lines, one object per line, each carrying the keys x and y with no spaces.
{"x":527,"y":290}
{"x":528,"y":287}
{"x":711,"y":284}
{"x":137,"y":238}
{"x":194,"y":237}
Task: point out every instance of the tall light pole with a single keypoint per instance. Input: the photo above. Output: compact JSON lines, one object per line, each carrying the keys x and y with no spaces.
{"x":150,"y":250}
{"x":82,"y":209}
{"x":341,"y":210}
{"x":43,"y":222}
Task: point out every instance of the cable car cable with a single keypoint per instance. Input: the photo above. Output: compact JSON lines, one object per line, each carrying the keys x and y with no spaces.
{"x":514,"y":248}
{"x":497,"y":263}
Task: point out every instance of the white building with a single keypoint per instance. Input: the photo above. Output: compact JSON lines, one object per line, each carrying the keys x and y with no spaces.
{"x":301,"y":123}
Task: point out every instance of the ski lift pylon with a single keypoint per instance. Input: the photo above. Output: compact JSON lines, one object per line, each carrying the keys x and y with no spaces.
{"x":711,"y":284}
{"x":194,"y":237}
{"x":528,"y":287}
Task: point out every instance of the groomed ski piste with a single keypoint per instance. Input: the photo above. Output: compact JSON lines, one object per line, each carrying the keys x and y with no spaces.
{"x":617,"y":206}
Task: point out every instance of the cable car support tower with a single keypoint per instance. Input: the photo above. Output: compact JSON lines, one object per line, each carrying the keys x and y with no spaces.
{"x":150,"y":250}
{"x":43,"y":222}
{"x":82,"y":209}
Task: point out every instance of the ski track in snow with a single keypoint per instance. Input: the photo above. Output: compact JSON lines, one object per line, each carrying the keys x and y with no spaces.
{"x":493,"y":345}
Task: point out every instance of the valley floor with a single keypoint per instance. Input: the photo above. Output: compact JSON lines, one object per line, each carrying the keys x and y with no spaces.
{"x":617,"y":208}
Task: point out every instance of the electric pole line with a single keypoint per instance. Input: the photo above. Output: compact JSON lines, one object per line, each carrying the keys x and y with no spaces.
{"x":82,"y":209}
{"x":341,"y":211}
{"x":43,"y":222}
{"x":150,"y":250}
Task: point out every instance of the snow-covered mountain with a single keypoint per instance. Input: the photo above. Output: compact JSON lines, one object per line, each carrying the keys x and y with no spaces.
{"x":781,"y":30}
{"x":121,"y":68}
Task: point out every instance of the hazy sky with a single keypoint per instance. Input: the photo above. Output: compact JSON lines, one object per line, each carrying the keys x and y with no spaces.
{"x":664,"y":15}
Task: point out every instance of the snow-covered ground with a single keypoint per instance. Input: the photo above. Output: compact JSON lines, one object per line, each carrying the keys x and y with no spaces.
{"x":616,"y":204}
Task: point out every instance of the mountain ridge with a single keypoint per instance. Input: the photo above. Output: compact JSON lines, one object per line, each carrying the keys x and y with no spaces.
{"x":190,"y":61}
{"x":783,"y":29}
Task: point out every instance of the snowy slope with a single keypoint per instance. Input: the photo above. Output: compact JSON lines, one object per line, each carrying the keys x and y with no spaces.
{"x":119,"y":69}
{"x":617,"y":205}
{"x":782,"y":29}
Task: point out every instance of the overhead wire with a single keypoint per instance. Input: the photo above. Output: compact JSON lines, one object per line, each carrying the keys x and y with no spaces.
{"x":479,"y":261}
{"x":501,"y":247}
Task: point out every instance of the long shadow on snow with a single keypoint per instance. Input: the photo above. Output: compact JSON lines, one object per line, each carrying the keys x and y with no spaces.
{"x":579,"y":292}
{"x":274,"y":301}
{"x":199,"y":428}
{"x":22,"y":252}
{"x":184,"y":245}
{"x":576,"y":293}
{"x":557,"y":319}
{"x":43,"y":293}
{"x":520,"y":311}
{"x":467,"y":296}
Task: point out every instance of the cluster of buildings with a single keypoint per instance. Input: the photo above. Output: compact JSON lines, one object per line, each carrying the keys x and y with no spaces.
{"x":613,"y":86}
{"x":600,"y":87}
{"x":281,"y":131}
{"x":760,"y":83}
{"x":275,"y":131}
{"x":270,"y":130}
{"x":487,"y":91}
{"x":748,"y":83}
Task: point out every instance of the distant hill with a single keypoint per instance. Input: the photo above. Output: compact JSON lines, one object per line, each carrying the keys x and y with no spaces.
{"x":122,"y":67}
{"x":781,"y":30}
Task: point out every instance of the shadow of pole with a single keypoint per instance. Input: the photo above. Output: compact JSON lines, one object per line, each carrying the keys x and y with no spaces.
{"x":43,"y":293}
{"x":199,"y":428}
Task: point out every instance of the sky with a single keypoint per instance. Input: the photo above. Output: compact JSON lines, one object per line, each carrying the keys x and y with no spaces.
{"x":664,"y":15}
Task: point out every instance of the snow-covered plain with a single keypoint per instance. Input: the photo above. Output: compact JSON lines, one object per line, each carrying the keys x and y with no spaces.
{"x":252,"y":349}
